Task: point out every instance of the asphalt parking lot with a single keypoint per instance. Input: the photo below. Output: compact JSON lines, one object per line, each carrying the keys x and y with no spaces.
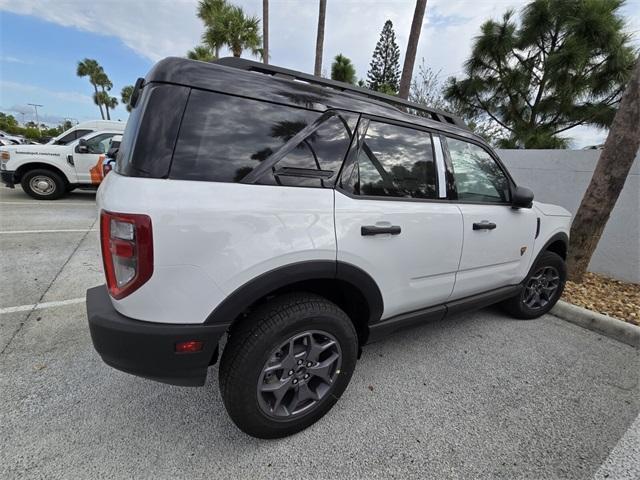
{"x":476,"y":396}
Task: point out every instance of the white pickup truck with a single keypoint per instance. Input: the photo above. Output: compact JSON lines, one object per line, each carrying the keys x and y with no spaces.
{"x":48,"y":172}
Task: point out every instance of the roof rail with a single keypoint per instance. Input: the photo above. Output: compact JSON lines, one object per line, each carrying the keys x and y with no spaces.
{"x":418,"y":109}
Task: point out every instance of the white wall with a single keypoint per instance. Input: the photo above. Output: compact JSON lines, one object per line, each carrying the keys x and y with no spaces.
{"x":561,"y":177}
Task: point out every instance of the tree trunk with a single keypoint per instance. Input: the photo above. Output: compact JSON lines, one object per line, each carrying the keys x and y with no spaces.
{"x":317,"y":69}
{"x":265,"y":31}
{"x":412,"y":48}
{"x":95,"y":88}
{"x":613,"y":166}
{"x":106,"y":107}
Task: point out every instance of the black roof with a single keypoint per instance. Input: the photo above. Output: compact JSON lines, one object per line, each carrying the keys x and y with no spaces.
{"x":255,"y":80}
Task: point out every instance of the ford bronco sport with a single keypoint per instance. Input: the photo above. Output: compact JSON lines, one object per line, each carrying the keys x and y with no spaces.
{"x":302,"y":218}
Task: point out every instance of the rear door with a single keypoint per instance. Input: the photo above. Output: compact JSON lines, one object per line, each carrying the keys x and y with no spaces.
{"x":498,"y":239}
{"x":392,"y":219}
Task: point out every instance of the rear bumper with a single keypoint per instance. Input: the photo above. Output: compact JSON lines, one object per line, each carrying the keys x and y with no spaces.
{"x":8,"y":178}
{"x":148,"y":349}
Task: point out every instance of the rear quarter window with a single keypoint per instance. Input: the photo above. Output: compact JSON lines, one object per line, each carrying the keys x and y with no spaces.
{"x":223,"y":138}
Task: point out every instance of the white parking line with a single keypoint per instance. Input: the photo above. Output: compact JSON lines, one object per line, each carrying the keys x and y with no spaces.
{"x":71,"y":230}
{"x":89,"y":204}
{"x":38,"y":306}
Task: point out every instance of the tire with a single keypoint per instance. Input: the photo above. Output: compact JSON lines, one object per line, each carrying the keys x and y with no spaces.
{"x":548,"y":266}
{"x":43,"y":184}
{"x":258,"y":356}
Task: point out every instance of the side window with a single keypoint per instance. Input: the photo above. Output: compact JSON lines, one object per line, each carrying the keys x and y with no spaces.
{"x":396,"y":161}
{"x":100,"y":143}
{"x":223,"y":138}
{"x":71,"y":136}
{"x":80,"y":133}
{"x":322,"y":150}
{"x":477,"y":175}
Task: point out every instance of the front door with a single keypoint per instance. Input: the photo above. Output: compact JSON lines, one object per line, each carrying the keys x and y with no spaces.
{"x":392,"y":220}
{"x":498,"y":239}
{"x":97,"y":145}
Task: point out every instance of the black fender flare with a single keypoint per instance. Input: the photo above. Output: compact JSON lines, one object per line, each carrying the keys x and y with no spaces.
{"x":562,"y":236}
{"x":273,"y":280}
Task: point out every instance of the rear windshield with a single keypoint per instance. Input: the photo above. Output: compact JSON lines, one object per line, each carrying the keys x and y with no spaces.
{"x":151,"y":131}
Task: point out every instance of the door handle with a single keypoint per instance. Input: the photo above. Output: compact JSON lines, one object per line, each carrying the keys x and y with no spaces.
{"x":484,"y":225}
{"x":367,"y":230}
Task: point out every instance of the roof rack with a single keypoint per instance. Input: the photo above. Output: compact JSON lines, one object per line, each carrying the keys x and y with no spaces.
{"x":422,"y":110}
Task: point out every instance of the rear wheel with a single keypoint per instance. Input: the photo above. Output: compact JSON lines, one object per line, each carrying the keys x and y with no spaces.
{"x":541,"y":289}
{"x":287,"y":364}
{"x":43,"y":184}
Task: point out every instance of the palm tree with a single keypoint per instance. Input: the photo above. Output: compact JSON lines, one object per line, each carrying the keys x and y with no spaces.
{"x":202,"y":53}
{"x":322,"y":10}
{"x":212,"y":12}
{"x":102,"y":80}
{"x":109,"y":102}
{"x":343,"y":70}
{"x":125,"y":96}
{"x":265,"y":31}
{"x":240,"y":32}
{"x":412,"y":48}
{"x":91,"y":68}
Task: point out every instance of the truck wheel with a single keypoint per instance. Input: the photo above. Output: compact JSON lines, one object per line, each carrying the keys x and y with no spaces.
{"x":287,"y":364}
{"x":43,"y":184}
{"x":541,"y":289}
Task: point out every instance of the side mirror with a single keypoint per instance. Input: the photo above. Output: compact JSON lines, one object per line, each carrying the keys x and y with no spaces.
{"x":522,"y":198}
{"x":82,"y":146}
{"x":112,"y":152}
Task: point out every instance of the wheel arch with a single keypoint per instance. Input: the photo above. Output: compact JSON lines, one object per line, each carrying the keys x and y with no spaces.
{"x":351,"y":288}
{"x":25,"y":167}
{"x":558,"y":244}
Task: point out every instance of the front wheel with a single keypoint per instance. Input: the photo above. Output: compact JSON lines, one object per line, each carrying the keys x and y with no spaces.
{"x":541,"y":289}
{"x":287,"y":364}
{"x":43,"y":184}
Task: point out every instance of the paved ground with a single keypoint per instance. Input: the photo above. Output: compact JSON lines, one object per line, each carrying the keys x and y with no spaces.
{"x":478,"y":396}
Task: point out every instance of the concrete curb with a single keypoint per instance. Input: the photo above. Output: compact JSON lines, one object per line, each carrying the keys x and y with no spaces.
{"x":611,"y":327}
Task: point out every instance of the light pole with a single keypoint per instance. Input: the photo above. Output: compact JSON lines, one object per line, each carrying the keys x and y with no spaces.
{"x":35,"y":107}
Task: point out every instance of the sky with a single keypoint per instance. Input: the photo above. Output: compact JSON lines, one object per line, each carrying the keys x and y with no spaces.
{"x":42,"y":41}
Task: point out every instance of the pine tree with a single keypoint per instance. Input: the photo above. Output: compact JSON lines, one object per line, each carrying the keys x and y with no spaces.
{"x":343,"y":70}
{"x":384,"y":70}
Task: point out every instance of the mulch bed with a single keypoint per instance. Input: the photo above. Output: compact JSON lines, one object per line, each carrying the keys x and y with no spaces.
{"x":607,"y":296}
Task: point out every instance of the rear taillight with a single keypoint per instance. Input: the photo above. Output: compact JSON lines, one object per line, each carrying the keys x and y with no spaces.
{"x":127,"y":251}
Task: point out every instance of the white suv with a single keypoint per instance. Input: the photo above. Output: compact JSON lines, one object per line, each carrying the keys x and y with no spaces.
{"x":48,"y":172}
{"x":303,"y":218}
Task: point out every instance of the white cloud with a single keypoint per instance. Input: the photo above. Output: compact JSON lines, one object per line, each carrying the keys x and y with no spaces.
{"x":10,"y":59}
{"x":75,"y":97}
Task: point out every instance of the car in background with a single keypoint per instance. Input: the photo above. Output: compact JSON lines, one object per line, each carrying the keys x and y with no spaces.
{"x":82,"y":129}
{"x":6,"y":142}
{"x":15,"y":139}
{"x":48,"y":172}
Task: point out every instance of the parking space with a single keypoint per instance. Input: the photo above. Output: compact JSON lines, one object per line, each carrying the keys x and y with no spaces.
{"x":480,"y":395}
